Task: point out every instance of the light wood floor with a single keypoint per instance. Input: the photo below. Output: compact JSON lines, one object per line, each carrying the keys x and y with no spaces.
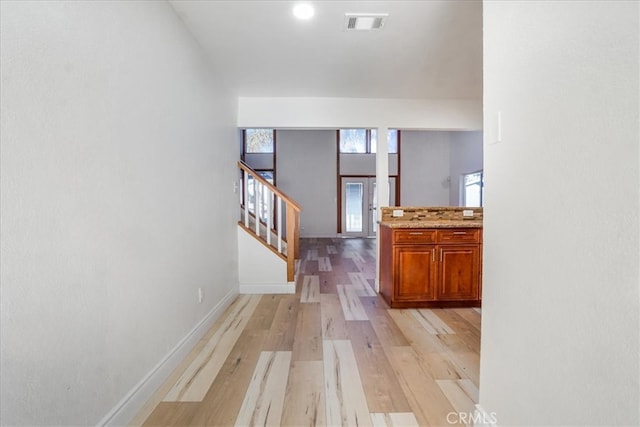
{"x":332,"y":354}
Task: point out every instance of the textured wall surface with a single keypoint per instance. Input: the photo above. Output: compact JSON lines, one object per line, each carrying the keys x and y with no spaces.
{"x":114,"y":138}
{"x":560,"y":316}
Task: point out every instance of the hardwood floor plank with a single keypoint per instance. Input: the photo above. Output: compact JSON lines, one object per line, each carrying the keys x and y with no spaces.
{"x":415,"y":333}
{"x":346,"y":403}
{"x":428,"y":402}
{"x":310,"y":289}
{"x":465,"y":359}
{"x":471,"y":316}
{"x":198,"y":377}
{"x":324,"y":264}
{"x":283,"y":327}
{"x":351,"y":305}
{"x":386,"y":329}
{"x":432,"y":323}
{"x":440,"y":366}
{"x":465,"y":331}
{"x":312,"y":254}
{"x":264,"y":400}
{"x":354,"y":255}
{"x":361,"y":285}
{"x":157,"y":397}
{"x":172,"y":414}
{"x":462,"y":394}
{"x":398,"y":419}
{"x":222,"y":402}
{"x":328,"y":355}
{"x":307,"y":342}
{"x":264,"y":313}
{"x":448,"y":355}
{"x":334,"y":325}
{"x":381,"y":386}
{"x":304,"y":401}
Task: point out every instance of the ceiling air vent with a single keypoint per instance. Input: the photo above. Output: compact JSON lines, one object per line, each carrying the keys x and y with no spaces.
{"x":364,"y":21}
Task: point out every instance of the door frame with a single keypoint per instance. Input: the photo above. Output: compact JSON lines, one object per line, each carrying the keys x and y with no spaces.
{"x":339,"y":199}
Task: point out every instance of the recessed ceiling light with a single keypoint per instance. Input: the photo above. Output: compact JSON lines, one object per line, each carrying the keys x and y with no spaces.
{"x":303,"y":11}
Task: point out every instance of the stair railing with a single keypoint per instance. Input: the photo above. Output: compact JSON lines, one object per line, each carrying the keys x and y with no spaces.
{"x":263,"y":206}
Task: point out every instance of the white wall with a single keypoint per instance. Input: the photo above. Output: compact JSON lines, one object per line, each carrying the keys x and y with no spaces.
{"x":560,"y":324}
{"x":424,"y":168}
{"x":437,"y":114}
{"x":113,"y":142}
{"x":465,"y":157}
{"x":306,"y":171}
{"x":260,"y":270}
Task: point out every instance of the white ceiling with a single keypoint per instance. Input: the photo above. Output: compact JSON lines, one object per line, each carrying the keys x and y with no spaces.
{"x":427,"y":48}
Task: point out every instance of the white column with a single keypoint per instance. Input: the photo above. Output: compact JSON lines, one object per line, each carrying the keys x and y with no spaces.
{"x":382,"y":185}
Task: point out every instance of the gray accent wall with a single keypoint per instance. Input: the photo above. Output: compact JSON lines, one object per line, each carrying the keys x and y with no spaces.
{"x":424,"y":168}
{"x":306,"y":171}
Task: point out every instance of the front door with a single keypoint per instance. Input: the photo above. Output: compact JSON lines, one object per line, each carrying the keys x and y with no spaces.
{"x":359,"y":205}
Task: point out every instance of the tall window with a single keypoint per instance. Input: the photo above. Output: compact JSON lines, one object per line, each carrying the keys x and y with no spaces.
{"x":473,"y":189}
{"x":259,"y":140}
{"x":365,"y":141}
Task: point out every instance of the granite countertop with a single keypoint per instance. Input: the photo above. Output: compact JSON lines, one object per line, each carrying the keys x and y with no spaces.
{"x":444,"y":223}
{"x":431,"y":217}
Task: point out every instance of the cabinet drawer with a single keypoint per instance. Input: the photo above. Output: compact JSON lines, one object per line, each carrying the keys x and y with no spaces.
{"x":414,"y":236}
{"x":459,"y":235}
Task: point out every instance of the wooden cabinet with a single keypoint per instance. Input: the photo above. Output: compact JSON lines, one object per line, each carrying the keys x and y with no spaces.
{"x":431,"y":267}
{"x":415,"y":271}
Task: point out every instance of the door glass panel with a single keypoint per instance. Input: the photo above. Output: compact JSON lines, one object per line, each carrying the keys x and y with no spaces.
{"x":354,"y":198}
{"x":374,"y":207}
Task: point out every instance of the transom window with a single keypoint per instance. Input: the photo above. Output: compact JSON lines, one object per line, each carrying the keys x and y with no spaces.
{"x":363,"y":141}
{"x":259,"y":140}
{"x":392,"y":141}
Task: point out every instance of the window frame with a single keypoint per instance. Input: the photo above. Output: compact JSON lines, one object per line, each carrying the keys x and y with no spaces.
{"x":244,"y":142}
{"x":368,"y":133}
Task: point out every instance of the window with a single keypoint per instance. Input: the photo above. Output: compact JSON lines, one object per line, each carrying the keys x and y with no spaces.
{"x":392,"y":141}
{"x":365,"y":141}
{"x":353,"y":140}
{"x":259,"y":140}
{"x":473,"y":189}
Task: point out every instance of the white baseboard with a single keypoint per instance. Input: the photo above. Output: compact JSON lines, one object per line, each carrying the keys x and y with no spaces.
{"x":482,"y":418}
{"x":268,"y":288}
{"x":319,"y":236}
{"x":132,"y":402}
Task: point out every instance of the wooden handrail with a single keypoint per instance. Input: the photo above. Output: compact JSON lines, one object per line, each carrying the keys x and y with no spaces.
{"x":292,"y":225}
{"x":245,"y":167}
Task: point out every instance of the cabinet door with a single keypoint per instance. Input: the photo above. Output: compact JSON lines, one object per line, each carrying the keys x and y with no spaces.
{"x":414,"y":272}
{"x":459,"y":273}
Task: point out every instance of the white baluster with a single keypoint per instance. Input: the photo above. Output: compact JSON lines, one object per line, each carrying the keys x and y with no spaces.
{"x":269,"y":214}
{"x":256,"y":201}
{"x":279,"y":222}
{"x":245,"y":194}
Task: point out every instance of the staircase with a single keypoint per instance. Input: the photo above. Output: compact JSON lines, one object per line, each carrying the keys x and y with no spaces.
{"x":271,"y":217}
